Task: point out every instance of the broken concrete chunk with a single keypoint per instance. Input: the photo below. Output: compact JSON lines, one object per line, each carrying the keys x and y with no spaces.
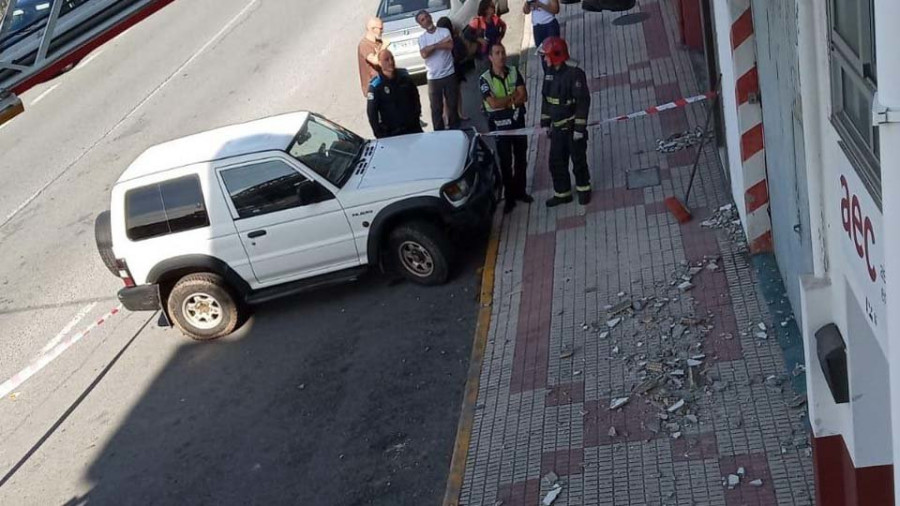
{"x":637,"y":305}
{"x":676,"y":435}
{"x":798,"y":401}
{"x":618,"y":308}
{"x":694,"y":363}
{"x":676,"y":372}
{"x":685,"y":286}
{"x":550,"y":479}
{"x":621,"y":294}
{"x":756,"y":483}
{"x":675,"y":407}
{"x":604,"y":334}
{"x":618,"y":403}
{"x":615,"y":350}
{"x":762,"y":326}
{"x":566,"y":353}
{"x":692,"y":418}
{"x":733,"y":480}
{"x":741,"y":472}
{"x":552,"y":495}
{"x":694,"y":271}
{"x":762,"y":335}
{"x":612,"y":432}
{"x":612,"y":323}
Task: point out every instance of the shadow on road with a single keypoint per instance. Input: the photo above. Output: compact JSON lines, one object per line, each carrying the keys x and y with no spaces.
{"x":345,"y":396}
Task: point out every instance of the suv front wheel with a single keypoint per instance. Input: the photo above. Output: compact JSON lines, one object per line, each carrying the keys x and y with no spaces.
{"x":421,"y":252}
{"x":202,"y":306}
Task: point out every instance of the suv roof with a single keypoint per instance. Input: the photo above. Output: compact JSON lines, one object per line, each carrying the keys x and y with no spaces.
{"x":267,"y":134}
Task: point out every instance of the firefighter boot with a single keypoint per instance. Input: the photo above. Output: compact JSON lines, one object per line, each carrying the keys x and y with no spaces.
{"x":559,"y":200}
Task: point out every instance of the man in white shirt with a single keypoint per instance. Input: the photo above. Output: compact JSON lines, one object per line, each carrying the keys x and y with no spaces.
{"x":543,"y":19}
{"x":436,"y":48}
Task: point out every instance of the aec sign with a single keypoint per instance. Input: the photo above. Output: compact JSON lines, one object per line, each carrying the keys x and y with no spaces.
{"x":861,"y":220}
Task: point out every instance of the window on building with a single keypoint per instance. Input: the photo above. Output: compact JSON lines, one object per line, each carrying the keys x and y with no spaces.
{"x":165,"y":208}
{"x":853,"y":84}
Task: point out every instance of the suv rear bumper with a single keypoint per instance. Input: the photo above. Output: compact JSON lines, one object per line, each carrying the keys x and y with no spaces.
{"x":140,"y":298}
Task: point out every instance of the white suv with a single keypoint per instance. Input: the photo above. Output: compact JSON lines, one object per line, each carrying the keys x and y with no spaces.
{"x":203,"y":225}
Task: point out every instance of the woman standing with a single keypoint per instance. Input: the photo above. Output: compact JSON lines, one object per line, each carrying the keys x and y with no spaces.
{"x":487,"y":27}
{"x":543,"y":19}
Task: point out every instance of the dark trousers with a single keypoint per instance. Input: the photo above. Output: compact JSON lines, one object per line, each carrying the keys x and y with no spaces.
{"x":439,"y":90}
{"x":563,"y":147}
{"x":541,"y":32}
{"x":513,"y":152}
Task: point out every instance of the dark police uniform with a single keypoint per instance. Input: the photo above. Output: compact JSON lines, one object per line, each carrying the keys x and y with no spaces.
{"x":512,"y":150}
{"x":393,"y":105}
{"x":567,"y":101}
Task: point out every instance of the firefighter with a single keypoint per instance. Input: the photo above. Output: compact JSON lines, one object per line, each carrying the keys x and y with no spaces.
{"x":564,"y":111}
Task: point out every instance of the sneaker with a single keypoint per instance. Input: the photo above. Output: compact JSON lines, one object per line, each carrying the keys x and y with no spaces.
{"x":508,"y":206}
{"x":584,"y":197}
{"x":526,"y":198}
{"x":557,"y":200}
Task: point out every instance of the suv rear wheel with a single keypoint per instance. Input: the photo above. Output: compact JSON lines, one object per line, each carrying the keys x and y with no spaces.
{"x":421,"y":252}
{"x":202,"y":306}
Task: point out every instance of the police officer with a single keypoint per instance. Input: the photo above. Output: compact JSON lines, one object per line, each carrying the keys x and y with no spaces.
{"x":393,"y":100}
{"x":564,"y":112}
{"x":504,"y":94}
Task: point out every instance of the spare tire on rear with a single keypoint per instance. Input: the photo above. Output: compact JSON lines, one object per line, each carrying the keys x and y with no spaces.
{"x":103,"y":236}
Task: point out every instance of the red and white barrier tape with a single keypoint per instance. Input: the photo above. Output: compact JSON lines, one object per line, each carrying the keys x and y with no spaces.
{"x":675,"y":104}
{"x":42,"y":361}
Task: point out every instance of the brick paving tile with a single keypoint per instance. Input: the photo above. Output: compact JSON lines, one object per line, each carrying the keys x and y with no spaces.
{"x":587,"y":310}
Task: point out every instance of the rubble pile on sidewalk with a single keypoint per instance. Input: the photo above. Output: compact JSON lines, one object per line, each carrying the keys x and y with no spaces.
{"x":727,"y":218}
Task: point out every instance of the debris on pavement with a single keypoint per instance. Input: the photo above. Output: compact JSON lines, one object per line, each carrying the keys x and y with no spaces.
{"x":732,"y":481}
{"x":618,"y":403}
{"x":566,"y":353}
{"x":675,"y":407}
{"x":550,"y":479}
{"x":612,"y":432}
{"x":552,"y":495}
{"x":757,"y":483}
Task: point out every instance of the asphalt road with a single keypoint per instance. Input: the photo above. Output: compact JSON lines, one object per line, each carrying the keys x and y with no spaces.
{"x":345,"y":396}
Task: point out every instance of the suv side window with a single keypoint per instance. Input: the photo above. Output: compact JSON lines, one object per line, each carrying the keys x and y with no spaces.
{"x":165,"y":208}
{"x":266,"y":187}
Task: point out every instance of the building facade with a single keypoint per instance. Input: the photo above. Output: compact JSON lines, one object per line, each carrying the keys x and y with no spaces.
{"x":811,"y":122}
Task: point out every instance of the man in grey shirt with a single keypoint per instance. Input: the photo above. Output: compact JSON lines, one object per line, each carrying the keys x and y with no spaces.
{"x":436,"y":48}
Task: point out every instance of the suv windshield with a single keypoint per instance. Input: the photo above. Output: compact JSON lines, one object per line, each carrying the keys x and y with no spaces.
{"x":392,"y":10}
{"x":327,"y":148}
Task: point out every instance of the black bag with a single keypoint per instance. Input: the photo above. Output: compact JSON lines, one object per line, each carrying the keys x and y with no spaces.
{"x":607,"y":5}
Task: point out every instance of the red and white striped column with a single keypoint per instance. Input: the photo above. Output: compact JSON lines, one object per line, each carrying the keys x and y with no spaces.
{"x":750,"y":120}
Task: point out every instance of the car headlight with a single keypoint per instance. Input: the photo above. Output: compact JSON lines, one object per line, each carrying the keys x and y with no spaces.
{"x":458,"y":190}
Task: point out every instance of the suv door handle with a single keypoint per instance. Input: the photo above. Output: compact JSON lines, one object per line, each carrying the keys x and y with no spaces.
{"x":256,"y":233}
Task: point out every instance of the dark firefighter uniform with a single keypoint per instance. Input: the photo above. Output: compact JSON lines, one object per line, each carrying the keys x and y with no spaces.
{"x":393,"y":105}
{"x":512,"y":150}
{"x":567,"y":101}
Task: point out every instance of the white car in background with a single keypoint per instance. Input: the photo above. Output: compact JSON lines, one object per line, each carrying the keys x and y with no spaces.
{"x":402,"y":31}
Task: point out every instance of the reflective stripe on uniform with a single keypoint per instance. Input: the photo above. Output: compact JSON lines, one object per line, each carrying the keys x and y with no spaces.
{"x":563,"y":194}
{"x":551,"y":100}
{"x":583,"y":188}
{"x":563,"y":122}
{"x":579,"y":121}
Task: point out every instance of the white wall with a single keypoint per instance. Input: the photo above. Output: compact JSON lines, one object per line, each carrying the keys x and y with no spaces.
{"x":864,"y":425}
{"x":722,"y":16}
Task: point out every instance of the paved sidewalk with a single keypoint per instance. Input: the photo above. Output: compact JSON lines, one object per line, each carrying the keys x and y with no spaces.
{"x":588,"y":313}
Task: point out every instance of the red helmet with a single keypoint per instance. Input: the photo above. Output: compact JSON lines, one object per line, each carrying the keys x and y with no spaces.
{"x":556,"y":50}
